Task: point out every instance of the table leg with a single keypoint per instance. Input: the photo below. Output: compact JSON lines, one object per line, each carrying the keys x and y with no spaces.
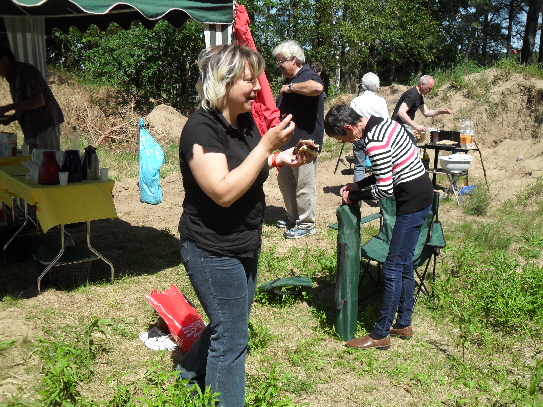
{"x":339,"y":157}
{"x":436,"y":159}
{"x":92,"y":249}
{"x":14,"y":207}
{"x":58,"y":256}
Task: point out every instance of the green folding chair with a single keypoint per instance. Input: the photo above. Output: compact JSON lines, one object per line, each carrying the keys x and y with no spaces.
{"x":431,"y":241}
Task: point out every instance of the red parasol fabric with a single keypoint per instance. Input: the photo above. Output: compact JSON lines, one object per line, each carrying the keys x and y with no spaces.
{"x":265,"y":112}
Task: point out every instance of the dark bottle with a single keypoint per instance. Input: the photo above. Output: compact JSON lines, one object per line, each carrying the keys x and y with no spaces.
{"x":425,"y":160}
{"x":72,"y":165}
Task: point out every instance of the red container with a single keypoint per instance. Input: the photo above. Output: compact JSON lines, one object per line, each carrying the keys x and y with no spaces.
{"x":49,"y":169}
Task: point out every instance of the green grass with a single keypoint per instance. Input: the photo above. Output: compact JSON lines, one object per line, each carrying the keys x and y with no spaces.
{"x":480,"y":345}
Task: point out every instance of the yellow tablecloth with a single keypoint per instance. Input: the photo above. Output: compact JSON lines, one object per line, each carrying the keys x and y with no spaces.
{"x":4,"y":161}
{"x":55,"y":204}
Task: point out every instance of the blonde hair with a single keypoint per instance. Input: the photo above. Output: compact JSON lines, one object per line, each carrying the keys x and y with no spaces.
{"x":222,"y":65}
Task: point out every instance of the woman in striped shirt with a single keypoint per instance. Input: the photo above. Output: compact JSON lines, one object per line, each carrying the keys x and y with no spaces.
{"x":396,"y":171}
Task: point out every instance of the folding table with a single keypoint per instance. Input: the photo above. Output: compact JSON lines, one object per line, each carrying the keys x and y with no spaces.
{"x":59,"y":205}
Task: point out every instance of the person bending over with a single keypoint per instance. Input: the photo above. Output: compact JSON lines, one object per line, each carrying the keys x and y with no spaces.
{"x":396,"y":171}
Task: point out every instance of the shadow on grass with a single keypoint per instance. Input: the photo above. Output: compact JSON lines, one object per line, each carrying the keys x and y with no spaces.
{"x":133,"y":250}
{"x":322,"y":297}
{"x":273,"y":214}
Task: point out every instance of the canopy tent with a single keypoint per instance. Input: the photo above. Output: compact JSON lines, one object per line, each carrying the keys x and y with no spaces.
{"x":27,"y":21}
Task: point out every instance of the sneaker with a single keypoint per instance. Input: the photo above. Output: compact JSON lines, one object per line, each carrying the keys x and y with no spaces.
{"x":285,"y":224}
{"x":298,"y":232}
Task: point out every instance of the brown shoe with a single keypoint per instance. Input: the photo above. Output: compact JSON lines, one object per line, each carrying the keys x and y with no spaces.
{"x":367,"y":343}
{"x":404,"y":333}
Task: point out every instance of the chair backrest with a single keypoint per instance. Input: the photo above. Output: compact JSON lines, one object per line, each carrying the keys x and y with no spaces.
{"x":388,"y":211}
{"x":426,"y":228}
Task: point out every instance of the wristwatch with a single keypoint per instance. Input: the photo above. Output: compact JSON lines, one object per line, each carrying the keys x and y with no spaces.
{"x":290,"y":88}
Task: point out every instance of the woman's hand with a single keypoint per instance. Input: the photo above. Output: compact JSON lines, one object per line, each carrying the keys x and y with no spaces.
{"x":277,"y":136}
{"x":344,"y":192}
{"x":287,"y":157}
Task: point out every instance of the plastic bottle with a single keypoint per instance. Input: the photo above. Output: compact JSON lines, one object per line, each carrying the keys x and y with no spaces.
{"x":463,"y":134}
{"x":74,"y":139}
{"x":471,"y":141}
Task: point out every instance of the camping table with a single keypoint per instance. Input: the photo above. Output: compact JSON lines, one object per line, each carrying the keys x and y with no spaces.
{"x":59,"y":205}
{"x":18,"y":159}
{"x":454,"y":148}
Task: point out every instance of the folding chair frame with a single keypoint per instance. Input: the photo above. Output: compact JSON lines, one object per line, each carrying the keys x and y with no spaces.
{"x":428,"y":254}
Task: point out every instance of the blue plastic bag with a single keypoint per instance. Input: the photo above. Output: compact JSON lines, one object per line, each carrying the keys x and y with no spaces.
{"x":151,"y":158}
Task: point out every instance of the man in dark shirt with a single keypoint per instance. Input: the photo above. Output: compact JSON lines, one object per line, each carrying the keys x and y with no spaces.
{"x":301,"y":95}
{"x":35,"y":106}
{"x":411,"y":101}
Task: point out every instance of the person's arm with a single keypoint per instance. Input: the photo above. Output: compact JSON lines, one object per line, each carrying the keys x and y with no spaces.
{"x":32,"y":103}
{"x":402,"y":114}
{"x":8,"y":119}
{"x":431,"y":113}
{"x":287,"y":157}
{"x":307,"y":88}
{"x":225,"y":187}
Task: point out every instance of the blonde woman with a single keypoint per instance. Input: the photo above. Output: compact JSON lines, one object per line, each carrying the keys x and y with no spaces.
{"x":224,"y":162}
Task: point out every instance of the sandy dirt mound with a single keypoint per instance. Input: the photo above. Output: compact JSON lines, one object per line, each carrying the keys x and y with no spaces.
{"x":165,"y":124}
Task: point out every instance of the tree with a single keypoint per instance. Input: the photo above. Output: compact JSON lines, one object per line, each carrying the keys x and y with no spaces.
{"x":158,"y":64}
{"x":528,"y":42}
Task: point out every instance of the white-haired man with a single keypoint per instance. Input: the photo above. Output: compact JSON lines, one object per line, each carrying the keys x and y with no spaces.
{"x":366,"y":105}
{"x":302,"y":95}
{"x":411,"y":101}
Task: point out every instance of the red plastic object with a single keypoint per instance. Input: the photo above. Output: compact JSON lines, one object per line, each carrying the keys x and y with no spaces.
{"x":182,"y":319}
{"x":49,"y":169}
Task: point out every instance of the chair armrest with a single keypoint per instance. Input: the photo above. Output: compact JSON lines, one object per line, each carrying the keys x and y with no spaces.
{"x":437,"y":238}
{"x":363,"y":220}
{"x":369,"y":218}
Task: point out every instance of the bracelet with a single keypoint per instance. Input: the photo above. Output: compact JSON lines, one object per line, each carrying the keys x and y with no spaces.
{"x":274,"y":160}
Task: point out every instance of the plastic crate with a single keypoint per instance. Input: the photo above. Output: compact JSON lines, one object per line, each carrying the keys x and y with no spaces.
{"x":73,"y":267}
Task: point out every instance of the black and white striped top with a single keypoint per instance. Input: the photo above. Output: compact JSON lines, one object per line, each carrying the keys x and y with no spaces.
{"x":396,"y":167}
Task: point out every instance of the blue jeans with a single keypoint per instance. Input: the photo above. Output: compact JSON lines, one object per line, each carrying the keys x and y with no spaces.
{"x":359,"y":161}
{"x":399,"y":278}
{"x":225,"y":287}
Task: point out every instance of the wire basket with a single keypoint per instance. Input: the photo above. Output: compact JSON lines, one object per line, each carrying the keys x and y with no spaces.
{"x":72,"y":269}
{"x":71,"y":274}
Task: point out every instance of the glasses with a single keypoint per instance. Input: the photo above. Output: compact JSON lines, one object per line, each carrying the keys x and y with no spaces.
{"x":280,"y":62}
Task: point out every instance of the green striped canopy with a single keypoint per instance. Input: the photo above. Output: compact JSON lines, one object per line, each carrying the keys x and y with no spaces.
{"x":63,"y":14}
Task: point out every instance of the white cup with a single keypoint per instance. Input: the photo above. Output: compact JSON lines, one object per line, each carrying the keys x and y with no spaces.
{"x":25,"y":149}
{"x":35,"y":176}
{"x":63,"y":177}
{"x":104,"y":174}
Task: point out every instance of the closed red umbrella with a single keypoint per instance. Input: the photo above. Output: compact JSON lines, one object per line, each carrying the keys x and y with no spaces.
{"x":265,"y":112}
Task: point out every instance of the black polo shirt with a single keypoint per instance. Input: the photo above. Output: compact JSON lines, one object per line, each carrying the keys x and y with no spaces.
{"x":234,"y":231}
{"x":307,"y":111}
{"x":413,"y":99}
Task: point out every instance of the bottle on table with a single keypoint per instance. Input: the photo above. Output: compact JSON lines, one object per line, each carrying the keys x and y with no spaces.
{"x":425,"y":159}
{"x":74,"y":139}
{"x":470,"y":131}
{"x":463,"y":133}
